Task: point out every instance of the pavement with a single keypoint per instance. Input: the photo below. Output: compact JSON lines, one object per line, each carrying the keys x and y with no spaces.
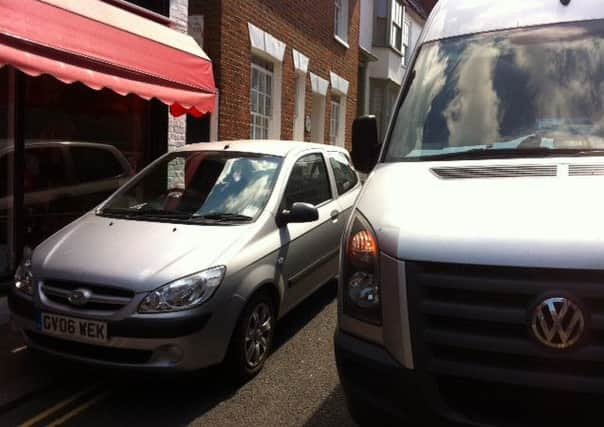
{"x":298,"y":386}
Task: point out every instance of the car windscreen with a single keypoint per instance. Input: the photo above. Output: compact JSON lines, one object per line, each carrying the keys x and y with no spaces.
{"x":202,"y":186}
{"x":527,"y":92}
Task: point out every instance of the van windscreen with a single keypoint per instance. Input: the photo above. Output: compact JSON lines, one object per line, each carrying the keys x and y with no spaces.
{"x":526,"y":92}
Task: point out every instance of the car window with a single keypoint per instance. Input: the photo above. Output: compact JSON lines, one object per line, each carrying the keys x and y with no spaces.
{"x":308,"y":182}
{"x":94,"y":164}
{"x":5,"y":162}
{"x":346,"y":177}
{"x":45,"y":169}
{"x":200,"y":185}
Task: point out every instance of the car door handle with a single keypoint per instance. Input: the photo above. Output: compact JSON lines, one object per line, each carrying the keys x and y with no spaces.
{"x":334,"y":215}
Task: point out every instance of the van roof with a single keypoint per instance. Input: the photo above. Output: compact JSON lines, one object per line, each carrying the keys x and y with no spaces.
{"x":451,"y":18}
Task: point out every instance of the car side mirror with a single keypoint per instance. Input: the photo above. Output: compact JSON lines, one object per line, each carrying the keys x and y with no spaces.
{"x":299,"y":212}
{"x":365,"y":146}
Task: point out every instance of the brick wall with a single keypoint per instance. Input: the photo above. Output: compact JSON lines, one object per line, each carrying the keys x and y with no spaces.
{"x":177,"y":126}
{"x":304,"y":25}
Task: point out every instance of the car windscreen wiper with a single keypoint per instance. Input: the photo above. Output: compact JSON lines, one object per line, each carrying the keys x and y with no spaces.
{"x":222,"y":216}
{"x":501,"y":153}
{"x":146,"y":213}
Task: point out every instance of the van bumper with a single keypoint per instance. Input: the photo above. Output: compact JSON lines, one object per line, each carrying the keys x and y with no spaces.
{"x":379,"y":391}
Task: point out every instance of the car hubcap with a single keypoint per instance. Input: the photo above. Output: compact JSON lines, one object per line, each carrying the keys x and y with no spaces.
{"x":258,"y":335}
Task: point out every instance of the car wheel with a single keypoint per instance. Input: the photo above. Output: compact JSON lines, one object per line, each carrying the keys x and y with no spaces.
{"x":253,"y":338}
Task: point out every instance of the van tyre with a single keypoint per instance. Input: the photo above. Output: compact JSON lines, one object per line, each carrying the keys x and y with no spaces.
{"x":253,"y":338}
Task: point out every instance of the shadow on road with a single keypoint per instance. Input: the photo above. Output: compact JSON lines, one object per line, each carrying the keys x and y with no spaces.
{"x":299,"y":317}
{"x":332,"y":412}
{"x":178,"y":400}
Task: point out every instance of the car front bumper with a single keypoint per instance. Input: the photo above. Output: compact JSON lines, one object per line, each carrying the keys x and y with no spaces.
{"x":182,"y":341}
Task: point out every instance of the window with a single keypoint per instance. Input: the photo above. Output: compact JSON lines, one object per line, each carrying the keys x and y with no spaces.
{"x":396,"y":25}
{"x":406,"y":33}
{"x":341,"y":20}
{"x":334,"y":121}
{"x":383,"y":96}
{"x":346,"y":177}
{"x":45,"y":169}
{"x":317,"y":130}
{"x":198,"y":185}
{"x":299,"y":108}
{"x":261,"y":98}
{"x":95,"y":164}
{"x":308,"y":182}
{"x":5,"y":168}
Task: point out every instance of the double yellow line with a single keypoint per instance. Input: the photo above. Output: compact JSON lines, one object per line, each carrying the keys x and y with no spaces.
{"x":95,"y":396}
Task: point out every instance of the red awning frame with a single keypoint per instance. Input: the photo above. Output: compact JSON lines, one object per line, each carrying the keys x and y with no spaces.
{"x":103,"y":46}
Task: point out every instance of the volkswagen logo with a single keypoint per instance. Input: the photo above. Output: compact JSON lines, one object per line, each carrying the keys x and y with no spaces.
{"x":79,"y":297}
{"x":558,"y":322}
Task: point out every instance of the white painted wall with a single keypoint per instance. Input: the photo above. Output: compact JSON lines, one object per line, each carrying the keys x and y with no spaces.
{"x":388,"y":65}
{"x":416,"y":30}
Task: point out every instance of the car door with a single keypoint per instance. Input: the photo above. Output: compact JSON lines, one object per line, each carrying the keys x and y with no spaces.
{"x":309,"y":250}
{"x":46,"y":185}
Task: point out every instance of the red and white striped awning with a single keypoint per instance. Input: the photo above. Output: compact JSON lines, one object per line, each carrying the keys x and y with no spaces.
{"x":103,"y":46}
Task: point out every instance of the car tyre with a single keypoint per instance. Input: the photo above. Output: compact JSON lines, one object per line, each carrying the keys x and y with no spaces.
{"x":253,"y":338}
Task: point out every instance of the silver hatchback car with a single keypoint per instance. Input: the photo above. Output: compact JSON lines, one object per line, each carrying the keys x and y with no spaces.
{"x":193,"y":260}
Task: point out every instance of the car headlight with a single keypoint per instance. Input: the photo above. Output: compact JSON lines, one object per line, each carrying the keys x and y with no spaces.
{"x":24,"y":278}
{"x":361,"y":285}
{"x":184,"y":293}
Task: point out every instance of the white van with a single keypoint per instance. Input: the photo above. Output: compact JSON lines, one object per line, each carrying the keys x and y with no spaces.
{"x":472,"y":269}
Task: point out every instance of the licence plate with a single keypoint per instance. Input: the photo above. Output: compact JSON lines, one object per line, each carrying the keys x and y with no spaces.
{"x":69,"y":327}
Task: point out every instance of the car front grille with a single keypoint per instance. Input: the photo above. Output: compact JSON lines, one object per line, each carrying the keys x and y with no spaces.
{"x":103,"y":298}
{"x":472,"y":323}
{"x":90,"y":351}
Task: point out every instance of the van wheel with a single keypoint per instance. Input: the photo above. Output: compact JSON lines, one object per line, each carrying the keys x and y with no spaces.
{"x":253,"y":338}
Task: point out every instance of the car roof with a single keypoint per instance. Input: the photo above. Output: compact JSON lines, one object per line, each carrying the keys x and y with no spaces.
{"x":452,"y":18}
{"x":270,"y":146}
{"x":58,"y":143}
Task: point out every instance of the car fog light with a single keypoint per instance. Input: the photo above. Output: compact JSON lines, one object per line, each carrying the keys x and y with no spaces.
{"x":24,"y":279}
{"x":363,"y":291}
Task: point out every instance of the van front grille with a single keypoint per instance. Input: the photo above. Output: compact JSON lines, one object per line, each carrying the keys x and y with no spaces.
{"x":474,"y":322}
{"x":585,"y":170}
{"x":519,"y":171}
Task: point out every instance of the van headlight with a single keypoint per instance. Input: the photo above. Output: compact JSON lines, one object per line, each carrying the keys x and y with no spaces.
{"x":24,"y":278}
{"x":184,"y":293}
{"x":361,"y":284}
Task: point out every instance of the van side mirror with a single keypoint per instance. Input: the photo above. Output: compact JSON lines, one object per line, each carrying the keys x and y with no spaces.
{"x":299,"y":212}
{"x":365,"y":146}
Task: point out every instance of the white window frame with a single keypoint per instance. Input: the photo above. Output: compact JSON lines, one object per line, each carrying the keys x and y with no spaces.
{"x":301,"y":67}
{"x":397,"y":16}
{"x":317,"y":131}
{"x":299,"y":109}
{"x":319,"y":88}
{"x":334,"y":120}
{"x":406,"y":38}
{"x":264,"y":109}
{"x":340,"y":24}
{"x":337,"y":121}
{"x":268,"y":48}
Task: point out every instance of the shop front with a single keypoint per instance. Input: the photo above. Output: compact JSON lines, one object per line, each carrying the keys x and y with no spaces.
{"x":85,"y":90}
